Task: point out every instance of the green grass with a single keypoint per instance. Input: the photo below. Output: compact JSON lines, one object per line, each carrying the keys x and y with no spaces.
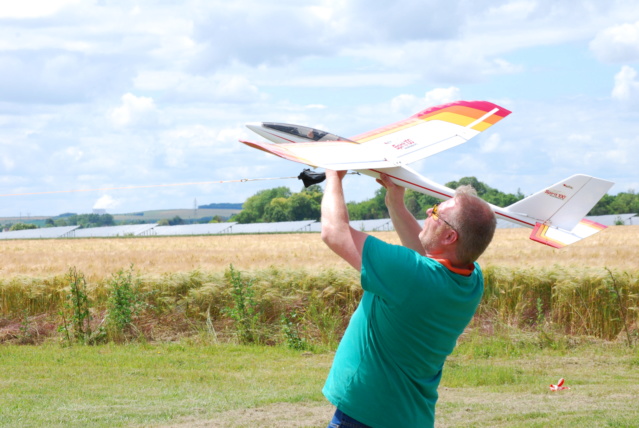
{"x":485,"y":384}
{"x":143,"y":385}
{"x":531,"y":330}
{"x":503,"y":381}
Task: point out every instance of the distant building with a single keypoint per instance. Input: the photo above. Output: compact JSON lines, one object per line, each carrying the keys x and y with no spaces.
{"x":99,"y":211}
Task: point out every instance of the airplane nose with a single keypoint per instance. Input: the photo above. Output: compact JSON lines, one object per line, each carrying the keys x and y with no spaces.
{"x":254,"y":126}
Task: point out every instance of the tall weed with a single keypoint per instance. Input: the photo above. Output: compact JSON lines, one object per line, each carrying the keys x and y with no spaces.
{"x":244,"y":312}
{"x":76,"y":315}
{"x":123,"y":304}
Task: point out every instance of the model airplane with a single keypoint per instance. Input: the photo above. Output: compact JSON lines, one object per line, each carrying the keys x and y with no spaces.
{"x":556,"y":214}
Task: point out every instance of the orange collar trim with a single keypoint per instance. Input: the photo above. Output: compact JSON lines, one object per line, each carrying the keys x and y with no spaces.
{"x":461,"y":271}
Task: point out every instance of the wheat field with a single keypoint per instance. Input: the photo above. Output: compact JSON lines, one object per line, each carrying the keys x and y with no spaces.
{"x":616,"y":247}
{"x":588,"y":288}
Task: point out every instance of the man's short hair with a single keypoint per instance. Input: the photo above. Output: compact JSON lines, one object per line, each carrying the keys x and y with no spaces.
{"x":474,"y":222}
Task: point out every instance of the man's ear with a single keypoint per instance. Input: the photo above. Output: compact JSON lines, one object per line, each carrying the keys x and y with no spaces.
{"x":450,"y":237}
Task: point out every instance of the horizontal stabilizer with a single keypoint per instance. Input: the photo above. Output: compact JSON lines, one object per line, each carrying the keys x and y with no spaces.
{"x":557,"y":213}
{"x":559,"y":238}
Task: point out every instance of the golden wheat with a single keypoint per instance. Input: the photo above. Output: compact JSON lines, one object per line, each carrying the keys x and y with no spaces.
{"x":526,"y":283}
{"x":616,"y":247}
{"x":160,"y":255}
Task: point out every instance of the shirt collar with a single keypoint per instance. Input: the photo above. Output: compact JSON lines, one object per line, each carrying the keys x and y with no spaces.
{"x":461,"y":271}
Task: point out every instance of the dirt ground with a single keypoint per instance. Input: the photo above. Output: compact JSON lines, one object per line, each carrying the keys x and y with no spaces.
{"x":299,"y":415}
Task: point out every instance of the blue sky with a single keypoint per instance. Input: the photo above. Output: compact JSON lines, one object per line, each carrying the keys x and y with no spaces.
{"x":102,"y":94}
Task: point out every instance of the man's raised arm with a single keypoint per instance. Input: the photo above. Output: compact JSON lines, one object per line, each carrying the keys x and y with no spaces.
{"x":337,"y":234}
{"x":404,"y":222}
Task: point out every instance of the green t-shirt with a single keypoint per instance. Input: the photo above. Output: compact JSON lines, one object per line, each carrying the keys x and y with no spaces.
{"x":389,"y":363}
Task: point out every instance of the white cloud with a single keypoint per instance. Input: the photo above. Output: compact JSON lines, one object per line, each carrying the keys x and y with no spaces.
{"x":183,"y":87}
{"x":348,"y":80}
{"x":623,"y":152}
{"x":198,"y":147}
{"x":55,"y":76}
{"x":467,"y":59}
{"x":389,"y":21}
{"x":191,"y":137}
{"x":490,"y":144}
{"x":442,"y":96}
{"x":235,"y":88}
{"x":512,"y":11}
{"x":192,"y":73}
{"x":175,"y":157}
{"x":158,"y":80}
{"x":135,"y":111}
{"x":580,"y":138}
{"x":279,"y":33}
{"x":105,"y":202}
{"x":315,"y":107}
{"x":619,"y":43}
{"x":407,"y":104}
{"x":230,"y":136}
{"x":7,"y":162}
{"x":33,"y":8}
{"x":74,"y":153}
{"x":626,"y":87}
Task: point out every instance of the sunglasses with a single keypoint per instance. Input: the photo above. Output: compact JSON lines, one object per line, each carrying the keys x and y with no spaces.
{"x":434,"y":213}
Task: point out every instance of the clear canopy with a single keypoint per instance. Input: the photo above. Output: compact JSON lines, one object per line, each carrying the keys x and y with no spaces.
{"x":305,"y":132}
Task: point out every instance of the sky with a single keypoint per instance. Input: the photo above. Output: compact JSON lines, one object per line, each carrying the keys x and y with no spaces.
{"x":149,"y":94}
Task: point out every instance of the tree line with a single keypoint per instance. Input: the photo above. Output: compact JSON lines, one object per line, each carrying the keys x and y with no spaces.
{"x":417,"y":203}
{"x":621,"y":203}
{"x":82,"y":220}
{"x":280,"y":204}
{"x":68,"y":219}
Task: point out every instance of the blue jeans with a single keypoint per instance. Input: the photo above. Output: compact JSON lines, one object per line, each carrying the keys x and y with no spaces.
{"x":341,"y":420}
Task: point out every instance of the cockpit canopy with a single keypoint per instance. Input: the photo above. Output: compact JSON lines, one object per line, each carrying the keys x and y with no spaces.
{"x":305,"y":132}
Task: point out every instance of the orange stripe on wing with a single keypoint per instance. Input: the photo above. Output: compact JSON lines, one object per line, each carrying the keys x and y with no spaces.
{"x":475,"y":113}
{"x":460,"y":113}
{"x":463,"y":116}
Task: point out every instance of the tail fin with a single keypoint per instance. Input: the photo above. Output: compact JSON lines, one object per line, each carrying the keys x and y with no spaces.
{"x":559,"y":210}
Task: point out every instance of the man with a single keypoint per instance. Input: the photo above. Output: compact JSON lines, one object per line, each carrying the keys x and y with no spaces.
{"x":418,"y":298}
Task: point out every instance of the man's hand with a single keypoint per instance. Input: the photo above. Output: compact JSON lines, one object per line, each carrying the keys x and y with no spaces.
{"x":338,"y":174}
{"x":394,"y":193}
{"x":405,"y":224}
